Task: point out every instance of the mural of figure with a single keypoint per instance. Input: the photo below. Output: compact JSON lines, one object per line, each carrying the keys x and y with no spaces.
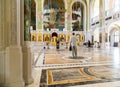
{"x":39,"y":38}
{"x":62,"y":37}
{"x":47,"y":38}
{"x":52,"y":16}
{"x":67,"y":38}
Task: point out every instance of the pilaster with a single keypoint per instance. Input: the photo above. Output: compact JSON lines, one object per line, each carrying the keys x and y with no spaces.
{"x":102,"y":22}
{"x":27,"y":57}
{"x":2,"y":52}
{"x":1,"y":25}
{"x":11,"y":72}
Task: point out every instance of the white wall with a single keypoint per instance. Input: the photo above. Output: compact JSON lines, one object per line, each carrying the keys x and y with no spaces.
{"x":96,"y":35}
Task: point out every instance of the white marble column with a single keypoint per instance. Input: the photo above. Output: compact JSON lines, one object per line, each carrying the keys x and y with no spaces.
{"x":11,"y":74}
{"x":27,"y":56}
{"x":103,"y":45}
{"x":87,"y":23}
{"x":102,"y":22}
{"x":88,"y":16}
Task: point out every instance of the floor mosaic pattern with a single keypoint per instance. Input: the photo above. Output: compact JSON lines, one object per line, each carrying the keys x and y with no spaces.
{"x":53,"y":56}
{"x":94,"y":67}
{"x":79,"y":76}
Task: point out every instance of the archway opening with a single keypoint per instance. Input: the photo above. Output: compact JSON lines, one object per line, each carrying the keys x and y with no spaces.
{"x":77,"y":16}
{"x":114,"y":34}
{"x":114,"y":37}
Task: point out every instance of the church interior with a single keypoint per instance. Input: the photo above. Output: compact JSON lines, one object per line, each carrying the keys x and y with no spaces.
{"x":35,"y":40}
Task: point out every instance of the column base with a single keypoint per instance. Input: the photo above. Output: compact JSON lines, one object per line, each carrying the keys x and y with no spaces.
{"x":27,"y":65}
{"x":13,"y":67}
{"x":15,"y":84}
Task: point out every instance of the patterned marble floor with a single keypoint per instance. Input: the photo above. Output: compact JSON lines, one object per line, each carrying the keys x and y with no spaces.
{"x":79,"y":76}
{"x":93,"y":68}
{"x":84,"y":55}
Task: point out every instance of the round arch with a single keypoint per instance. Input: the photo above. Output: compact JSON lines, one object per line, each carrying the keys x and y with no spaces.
{"x":84,"y":16}
{"x":112,"y":27}
{"x":111,"y":30}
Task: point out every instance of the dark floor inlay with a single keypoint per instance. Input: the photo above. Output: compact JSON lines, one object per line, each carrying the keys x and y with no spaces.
{"x":79,"y":57}
{"x":79,"y":76}
{"x":76,"y":58}
{"x":66,"y":75}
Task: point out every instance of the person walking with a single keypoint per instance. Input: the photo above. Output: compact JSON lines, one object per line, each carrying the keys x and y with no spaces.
{"x":73,"y":43}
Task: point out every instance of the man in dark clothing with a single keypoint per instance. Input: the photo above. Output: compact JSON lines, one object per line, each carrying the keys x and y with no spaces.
{"x":88,"y":43}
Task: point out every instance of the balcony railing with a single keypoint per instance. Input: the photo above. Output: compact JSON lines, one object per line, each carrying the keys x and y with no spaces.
{"x":110,"y":16}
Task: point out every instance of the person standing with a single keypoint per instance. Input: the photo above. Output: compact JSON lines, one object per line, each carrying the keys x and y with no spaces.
{"x":57,"y":44}
{"x":89,"y":43}
{"x":73,"y":43}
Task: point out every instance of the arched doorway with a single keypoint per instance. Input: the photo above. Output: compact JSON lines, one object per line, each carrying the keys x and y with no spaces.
{"x":114,"y":34}
{"x":54,"y":34}
{"x":114,"y":37}
{"x":54,"y":38}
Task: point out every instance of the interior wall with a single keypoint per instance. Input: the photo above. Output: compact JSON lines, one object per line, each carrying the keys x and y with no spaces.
{"x":96,"y":35}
